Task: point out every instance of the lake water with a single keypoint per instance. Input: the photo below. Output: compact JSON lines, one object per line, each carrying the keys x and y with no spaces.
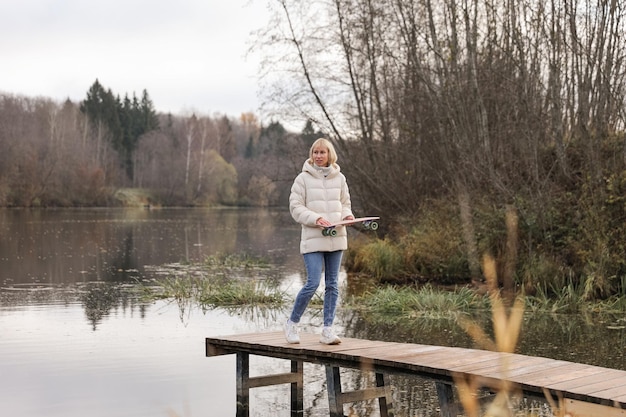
{"x":75,"y":340}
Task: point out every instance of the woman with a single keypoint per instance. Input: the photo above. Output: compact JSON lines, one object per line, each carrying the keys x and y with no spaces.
{"x":319,"y":197}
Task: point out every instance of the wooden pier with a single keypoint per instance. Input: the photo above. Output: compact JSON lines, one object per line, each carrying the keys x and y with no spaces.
{"x":587,"y":391}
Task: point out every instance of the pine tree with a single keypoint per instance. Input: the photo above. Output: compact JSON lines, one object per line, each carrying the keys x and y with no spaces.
{"x":149,"y":118}
{"x":125,"y":120}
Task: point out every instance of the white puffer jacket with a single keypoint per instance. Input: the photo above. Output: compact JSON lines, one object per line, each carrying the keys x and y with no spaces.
{"x":313,"y":196}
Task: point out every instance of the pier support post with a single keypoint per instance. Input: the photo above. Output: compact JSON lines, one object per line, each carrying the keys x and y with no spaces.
{"x":245,"y":383}
{"x":337,"y":398}
{"x":447,"y":405}
{"x":297,"y":389}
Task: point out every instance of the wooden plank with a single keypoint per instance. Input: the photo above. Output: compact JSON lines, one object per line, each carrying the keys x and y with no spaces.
{"x":621,"y":399}
{"x":362,"y":394}
{"x":311,"y":341}
{"x":527,"y":371}
{"x":275,"y":379}
{"x":509,"y":371}
{"x":603,"y":376}
{"x":395,"y":355}
{"x":561,"y":382}
{"x":461,"y":361}
{"x":421,"y":355}
{"x":593,"y":389}
{"x":249,"y":338}
{"x":259,"y":341}
{"x":432,"y":356}
{"x":522,"y":364}
{"x":610,"y":393}
{"x":499,"y":362}
{"x":392,"y":351}
{"x":349,"y":351}
{"x":392,"y":358}
{"x":529,"y":380}
{"x":495,"y":374}
{"x":584,"y":409}
{"x":562,"y":373}
{"x":360,"y":349}
{"x":212,"y":350}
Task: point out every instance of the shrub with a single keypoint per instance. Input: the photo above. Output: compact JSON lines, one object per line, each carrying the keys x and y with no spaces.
{"x":378,"y":258}
{"x":434,"y":248}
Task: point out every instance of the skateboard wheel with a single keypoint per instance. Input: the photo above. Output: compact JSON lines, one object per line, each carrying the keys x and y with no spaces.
{"x":329,"y":232}
{"x":373,"y":225}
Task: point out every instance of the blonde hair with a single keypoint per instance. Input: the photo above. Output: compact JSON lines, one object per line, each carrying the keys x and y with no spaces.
{"x":323,"y":142}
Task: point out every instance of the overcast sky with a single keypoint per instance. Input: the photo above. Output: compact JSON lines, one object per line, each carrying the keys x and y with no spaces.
{"x":190,"y":54}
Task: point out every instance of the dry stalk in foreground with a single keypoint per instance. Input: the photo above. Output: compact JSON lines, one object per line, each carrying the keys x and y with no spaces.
{"x":507,"y":326}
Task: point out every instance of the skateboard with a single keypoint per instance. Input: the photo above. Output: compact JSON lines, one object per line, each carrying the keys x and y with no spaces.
{"x":369,"y":223}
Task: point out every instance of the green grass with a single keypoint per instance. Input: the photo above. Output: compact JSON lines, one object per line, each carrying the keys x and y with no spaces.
{"x":398,"y":302}
{"x":412,"y":302}
{"x":239,"y":293}
{"x":572,"y":299}
{"x":221,"y":280}
{"x":217,"y":291}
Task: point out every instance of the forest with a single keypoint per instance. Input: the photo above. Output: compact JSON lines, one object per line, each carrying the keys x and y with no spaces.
{"x":461,"y":122}
{"x":89,"y":153}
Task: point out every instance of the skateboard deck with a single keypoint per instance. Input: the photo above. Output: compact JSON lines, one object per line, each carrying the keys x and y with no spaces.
{"x":369,"y":223}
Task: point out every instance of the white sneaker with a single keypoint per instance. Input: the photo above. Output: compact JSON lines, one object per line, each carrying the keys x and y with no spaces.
{"x":329,"y":338}
{"x":291,"y":332}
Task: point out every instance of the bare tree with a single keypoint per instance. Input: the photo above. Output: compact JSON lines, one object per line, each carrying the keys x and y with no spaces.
{"x":478,"y":101}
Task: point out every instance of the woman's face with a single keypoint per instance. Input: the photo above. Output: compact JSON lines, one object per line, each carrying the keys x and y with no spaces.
{"x":320,"y":156}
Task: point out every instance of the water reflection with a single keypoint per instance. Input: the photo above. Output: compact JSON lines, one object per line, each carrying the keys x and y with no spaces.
{"x":101,"y":299}
{"x":63,"y":246}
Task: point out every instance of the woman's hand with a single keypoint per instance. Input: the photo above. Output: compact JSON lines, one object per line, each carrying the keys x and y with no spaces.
{"x":322,"y":222}
{"x":349,"y":218}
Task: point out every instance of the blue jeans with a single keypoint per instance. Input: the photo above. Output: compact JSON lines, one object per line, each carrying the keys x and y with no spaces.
{"x":314,"y":263}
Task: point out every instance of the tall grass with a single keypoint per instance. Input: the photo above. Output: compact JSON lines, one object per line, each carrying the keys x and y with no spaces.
{"x":386,"y":302}
{"x":221,"y":280}
{"x":237,"y":293}
{"x":211,"y":292}
{"x":400,"y":301}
